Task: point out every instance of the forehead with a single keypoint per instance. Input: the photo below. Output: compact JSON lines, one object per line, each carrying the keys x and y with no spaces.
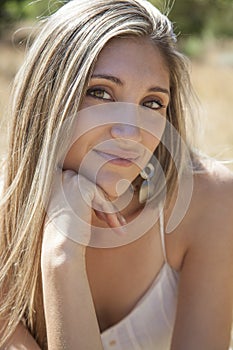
{"x":132,"y":56}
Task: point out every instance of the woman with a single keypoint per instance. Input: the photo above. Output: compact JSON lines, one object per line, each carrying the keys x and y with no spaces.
{"x":100,"y":167}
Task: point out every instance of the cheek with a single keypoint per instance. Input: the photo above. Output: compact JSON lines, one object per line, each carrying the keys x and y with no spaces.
{"x":73,"y":157}
{"x":81,"y":147}
{"x":150,"y":142}
{"x":153,"y":127}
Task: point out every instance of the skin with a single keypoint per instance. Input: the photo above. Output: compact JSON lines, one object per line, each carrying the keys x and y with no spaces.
{"x":128,"y":81}
{"x":200,"y":248}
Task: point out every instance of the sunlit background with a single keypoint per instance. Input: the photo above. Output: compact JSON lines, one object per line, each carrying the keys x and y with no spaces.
{"x":205,"y":34}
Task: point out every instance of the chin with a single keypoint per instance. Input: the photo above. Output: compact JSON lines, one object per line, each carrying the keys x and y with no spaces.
{"x":113,"y":185}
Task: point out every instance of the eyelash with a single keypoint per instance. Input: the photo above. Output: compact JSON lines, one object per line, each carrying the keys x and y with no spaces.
{"x":92,"y":91}
{"x":158,"y":102}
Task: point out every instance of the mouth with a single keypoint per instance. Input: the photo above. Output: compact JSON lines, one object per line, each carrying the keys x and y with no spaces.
{"x":120,"y":158}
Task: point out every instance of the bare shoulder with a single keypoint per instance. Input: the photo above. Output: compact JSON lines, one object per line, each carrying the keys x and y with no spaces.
{"x":206,"y":269}
{"x":210,"y":215}
{"x":213,"y":193}
{"x":207,"y":227}
{"x":215,"y":178}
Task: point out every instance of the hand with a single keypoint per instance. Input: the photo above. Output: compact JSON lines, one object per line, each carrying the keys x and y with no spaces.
{"x":69,"y":213}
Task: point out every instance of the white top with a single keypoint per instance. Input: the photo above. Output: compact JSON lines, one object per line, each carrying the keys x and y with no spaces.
{"x":150,"y":324}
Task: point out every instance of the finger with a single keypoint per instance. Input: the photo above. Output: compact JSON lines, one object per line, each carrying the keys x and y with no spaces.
{"x":106,"y":218}
{"x":96,"y":200}
{"x":115,"y":224}
{"x":110,"y":214}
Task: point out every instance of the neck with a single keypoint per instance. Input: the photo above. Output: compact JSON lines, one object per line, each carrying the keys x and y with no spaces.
{"x":128,"y":203}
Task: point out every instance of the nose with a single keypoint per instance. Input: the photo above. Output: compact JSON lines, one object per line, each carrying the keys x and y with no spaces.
{"x":127,"y":122}
{"x":126,"y":131}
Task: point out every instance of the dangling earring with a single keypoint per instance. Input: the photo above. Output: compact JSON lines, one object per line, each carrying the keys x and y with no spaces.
{"x":147,"y":187}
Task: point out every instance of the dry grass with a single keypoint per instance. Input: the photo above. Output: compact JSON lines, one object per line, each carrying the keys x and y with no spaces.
{"x":212,"y":79}
{"x":213,"y":82}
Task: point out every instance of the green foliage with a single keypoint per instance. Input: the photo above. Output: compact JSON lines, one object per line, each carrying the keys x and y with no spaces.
{"x":201,"y":18}
{"x":12,"y":11}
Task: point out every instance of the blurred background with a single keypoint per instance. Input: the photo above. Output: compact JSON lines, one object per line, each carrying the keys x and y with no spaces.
{"x":205,"y":35}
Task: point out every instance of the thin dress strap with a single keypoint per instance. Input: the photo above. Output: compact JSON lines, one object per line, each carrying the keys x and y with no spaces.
{"x":162,"y":232}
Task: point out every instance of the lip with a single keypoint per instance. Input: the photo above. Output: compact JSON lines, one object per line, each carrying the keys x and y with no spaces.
{"x":119,"y":153}
{"x":119,"y":157}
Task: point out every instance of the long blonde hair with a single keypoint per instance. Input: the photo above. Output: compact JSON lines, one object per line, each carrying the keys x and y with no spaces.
{"x":48,"y":89}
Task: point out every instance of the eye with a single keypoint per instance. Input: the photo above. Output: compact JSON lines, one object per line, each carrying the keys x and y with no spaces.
{"x":99,"y":93}
{"x":154,"y":104}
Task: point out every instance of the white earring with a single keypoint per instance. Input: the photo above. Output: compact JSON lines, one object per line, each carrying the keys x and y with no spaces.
{"x":147,"y":187}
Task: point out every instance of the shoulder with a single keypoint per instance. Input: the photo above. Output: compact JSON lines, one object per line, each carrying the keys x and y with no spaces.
{"x":206,"y":269}
{"x":212,"y":200}
{"x":214,"y":179}
{"x":207,"y":227}
{"x":209,"y":241}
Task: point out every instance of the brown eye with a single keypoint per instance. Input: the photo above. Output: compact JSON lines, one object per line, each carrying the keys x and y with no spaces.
{"x":155,"y":104}
{"x":99,"y":93}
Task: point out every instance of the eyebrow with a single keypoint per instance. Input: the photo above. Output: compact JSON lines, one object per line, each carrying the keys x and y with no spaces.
{"x":119,"y":82}
{"x":108,"y":77}
{"x":159,"y":89}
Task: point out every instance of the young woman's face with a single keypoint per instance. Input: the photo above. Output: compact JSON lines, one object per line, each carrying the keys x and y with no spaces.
{"x":133,"y":73}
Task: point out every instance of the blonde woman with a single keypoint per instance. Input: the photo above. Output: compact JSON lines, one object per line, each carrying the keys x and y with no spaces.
{"x":115,"y":232}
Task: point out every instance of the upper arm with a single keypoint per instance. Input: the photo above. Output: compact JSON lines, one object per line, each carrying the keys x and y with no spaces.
{"x":21,"y":340}
{"x":205,"y":299}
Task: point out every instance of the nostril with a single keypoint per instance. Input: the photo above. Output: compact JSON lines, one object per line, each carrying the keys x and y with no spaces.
{"x":126,"y":131}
